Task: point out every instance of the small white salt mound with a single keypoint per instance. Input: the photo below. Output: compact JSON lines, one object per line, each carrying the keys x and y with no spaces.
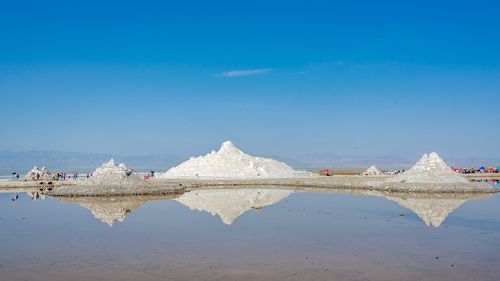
{"x":430,"y":169}
{"x":43,"y":174}
{"x":110,"y":172}
{"x":372,"y":171}
{"x":230,"y":204}
{"x":230,"y":162}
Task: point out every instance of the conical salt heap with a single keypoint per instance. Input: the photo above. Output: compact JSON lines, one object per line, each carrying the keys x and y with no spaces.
{"x":430,"y":169}
{"x":230,"y":204}
{"x":43,"y":173}
{"x":230,"y":162}
{"x":109,"y":172}
{"x":372,"y":171}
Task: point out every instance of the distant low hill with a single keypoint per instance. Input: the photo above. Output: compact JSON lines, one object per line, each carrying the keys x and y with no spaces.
{"x":67,"y":161}
{"x":319,"y":161}
{"x":86,"y":162}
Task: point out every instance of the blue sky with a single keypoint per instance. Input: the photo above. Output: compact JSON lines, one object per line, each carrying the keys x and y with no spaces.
{"x":286,"y":78}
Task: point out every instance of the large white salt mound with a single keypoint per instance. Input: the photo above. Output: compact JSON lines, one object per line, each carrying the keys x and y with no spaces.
{"x":430,"y":169}
{"x":372,"y":171}
{"x":110,"y":172}
{"x":230,"y":162}
{"x":230,"y":204}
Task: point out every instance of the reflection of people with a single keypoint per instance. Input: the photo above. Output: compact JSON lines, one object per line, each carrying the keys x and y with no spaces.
{"x":35,"y":195}
{"x":14,"y":197}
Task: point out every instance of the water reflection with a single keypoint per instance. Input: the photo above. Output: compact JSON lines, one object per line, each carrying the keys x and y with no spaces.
{"x":229,"y":204}
{"x":493,"y":182}
{"x":111,"y":209}
{"x":433,"y":209}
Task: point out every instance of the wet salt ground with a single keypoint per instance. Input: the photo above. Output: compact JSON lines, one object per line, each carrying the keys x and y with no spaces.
{"x":306,"y":236}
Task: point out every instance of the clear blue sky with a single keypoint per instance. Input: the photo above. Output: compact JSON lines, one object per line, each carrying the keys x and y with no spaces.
{"x":278,"y":77}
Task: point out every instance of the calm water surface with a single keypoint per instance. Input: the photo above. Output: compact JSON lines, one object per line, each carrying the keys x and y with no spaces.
{"x":251,"y":234}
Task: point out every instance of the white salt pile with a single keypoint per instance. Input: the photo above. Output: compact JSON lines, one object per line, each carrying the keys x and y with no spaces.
{"x":430,"y":169}
{"x":38,"y":174}
{"x":230,"y":162}
{"x":230,"y":204}
{"x":372,"y":171}
{"x":110,"y":173}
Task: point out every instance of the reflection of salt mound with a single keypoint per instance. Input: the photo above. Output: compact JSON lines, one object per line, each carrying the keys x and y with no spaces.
{"x":432,"y":208}
{"x":433,"y":211}
{"x":372,"y":171}
{"x":230,"y":162}
{"x":107,"y":210}
{"x":110,"y":172}
{"x":230,"y":204}
{"x":43,"y":173}
{"x":111,"y":209}
{"x":430,"y":169}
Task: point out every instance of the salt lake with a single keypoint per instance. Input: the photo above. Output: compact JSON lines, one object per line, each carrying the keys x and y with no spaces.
{"x":249,"y":234}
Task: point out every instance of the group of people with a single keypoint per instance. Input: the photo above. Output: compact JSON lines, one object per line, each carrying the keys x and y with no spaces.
{"x":480,"y":170}
{"x":59,"y":176}
{"x":62,"y":176}
{"x":150,"y":175}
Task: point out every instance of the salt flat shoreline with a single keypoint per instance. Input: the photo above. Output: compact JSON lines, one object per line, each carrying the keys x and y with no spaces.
{"x":175,"y":186}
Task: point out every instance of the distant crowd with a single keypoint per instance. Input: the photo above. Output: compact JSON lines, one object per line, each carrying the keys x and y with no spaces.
{"x":480,"y":170}
{"x":63,"y":176}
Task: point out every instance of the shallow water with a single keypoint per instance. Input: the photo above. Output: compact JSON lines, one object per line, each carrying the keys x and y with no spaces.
{"x":251,"y":234}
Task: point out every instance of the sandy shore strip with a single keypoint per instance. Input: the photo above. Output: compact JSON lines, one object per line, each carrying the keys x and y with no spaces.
{"x":172,"y":186}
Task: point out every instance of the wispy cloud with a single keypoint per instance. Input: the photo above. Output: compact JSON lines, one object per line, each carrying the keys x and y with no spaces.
{"x":244,"y":72}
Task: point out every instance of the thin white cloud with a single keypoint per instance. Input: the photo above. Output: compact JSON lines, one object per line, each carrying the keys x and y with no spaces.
{"x":244,"y":72}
